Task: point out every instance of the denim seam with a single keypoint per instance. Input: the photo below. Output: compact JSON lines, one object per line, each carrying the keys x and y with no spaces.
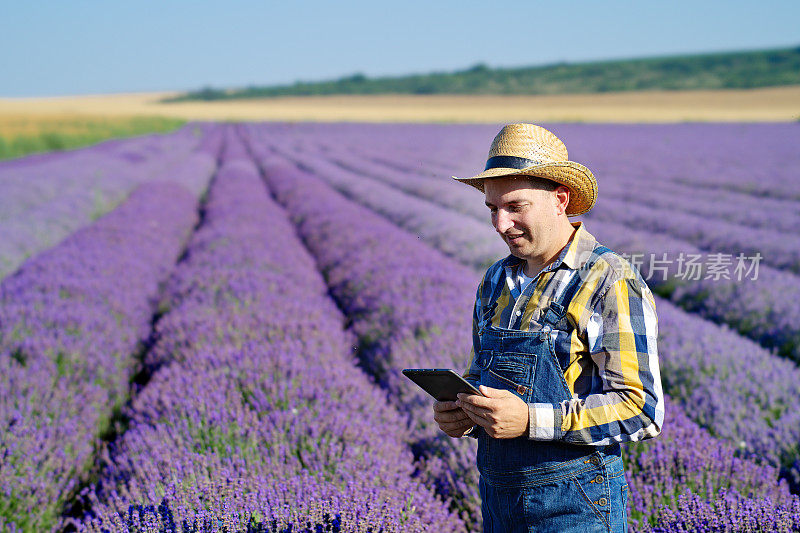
{"x":544,"y":480}
{"x":591,"y":504}
{"x":620,"y":473}
{"x":508,"y":381}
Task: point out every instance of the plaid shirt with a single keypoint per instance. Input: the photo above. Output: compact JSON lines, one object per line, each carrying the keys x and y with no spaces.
{"x":608,"y":353}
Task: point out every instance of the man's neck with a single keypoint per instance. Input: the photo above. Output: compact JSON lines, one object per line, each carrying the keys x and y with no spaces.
{"x":532,"y":268}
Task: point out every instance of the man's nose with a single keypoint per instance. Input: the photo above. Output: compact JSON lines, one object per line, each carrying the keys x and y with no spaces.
{"x":503,"y":221}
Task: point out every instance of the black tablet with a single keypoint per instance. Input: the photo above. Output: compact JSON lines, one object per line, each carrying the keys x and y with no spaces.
{"x":441,"y":383}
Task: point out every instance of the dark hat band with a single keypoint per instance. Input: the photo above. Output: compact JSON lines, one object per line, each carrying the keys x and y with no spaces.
{"x":509,"y":161}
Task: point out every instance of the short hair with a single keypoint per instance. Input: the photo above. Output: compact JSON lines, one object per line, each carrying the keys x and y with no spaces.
{"x":543,"y":184}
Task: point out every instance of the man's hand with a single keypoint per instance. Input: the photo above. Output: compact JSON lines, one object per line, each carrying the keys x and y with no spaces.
{"x":451,"y":419}
{"x":501,"y":413}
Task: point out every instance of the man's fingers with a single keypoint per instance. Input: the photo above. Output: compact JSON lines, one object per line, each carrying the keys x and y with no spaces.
{"x":474,"y":410}
{"x":474,"y":399}
{"x":450,"y":416}
{"x":478,"y":419}
{"x":456,"y":427}
{"x":441,"y":407}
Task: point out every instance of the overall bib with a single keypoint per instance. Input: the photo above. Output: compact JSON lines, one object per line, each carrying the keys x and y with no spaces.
{"x":542,"y":486}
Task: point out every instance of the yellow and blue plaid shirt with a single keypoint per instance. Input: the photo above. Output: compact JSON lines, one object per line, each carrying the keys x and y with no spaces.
{"x":608,"y":351}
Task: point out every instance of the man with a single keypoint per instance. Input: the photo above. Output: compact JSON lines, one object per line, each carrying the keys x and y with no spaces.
{"x":564,"y":351}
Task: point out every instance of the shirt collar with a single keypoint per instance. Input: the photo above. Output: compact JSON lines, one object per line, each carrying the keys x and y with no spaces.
{"x":573,"y":256}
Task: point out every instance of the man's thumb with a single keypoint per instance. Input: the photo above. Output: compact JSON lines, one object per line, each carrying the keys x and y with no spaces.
{"x":492,"y":393}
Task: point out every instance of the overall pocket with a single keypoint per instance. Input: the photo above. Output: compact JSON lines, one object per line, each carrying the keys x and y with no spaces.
{"x":594,"y":488}
{"x":566,"y":503}
{"x":509,"y":371}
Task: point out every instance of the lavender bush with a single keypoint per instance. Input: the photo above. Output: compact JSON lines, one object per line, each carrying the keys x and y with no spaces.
{"x":686,"y":462}
{"x":256,"y":416}
{"x":71,"y":321}
{"x":724,"y":391}
{"x":366,"y":290}
{"x":413,"y":312}
{"x":234,"y":430}
{"x":764,"y":308}
{"x":44,"y":201}
{"x":781,"y":250}
{"x":469,"y":240}
{"x":727,"y":512}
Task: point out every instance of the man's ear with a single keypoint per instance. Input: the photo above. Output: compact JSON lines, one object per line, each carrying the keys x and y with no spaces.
{"x":562,"y":194}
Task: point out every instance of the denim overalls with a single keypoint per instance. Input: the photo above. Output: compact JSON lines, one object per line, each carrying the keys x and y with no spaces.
{"x":543,"y":486}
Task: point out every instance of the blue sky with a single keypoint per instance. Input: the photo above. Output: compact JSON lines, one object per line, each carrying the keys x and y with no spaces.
{"x":82,"y":47}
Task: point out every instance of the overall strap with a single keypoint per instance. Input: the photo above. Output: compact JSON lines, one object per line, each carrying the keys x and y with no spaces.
{"x":559,"y":305}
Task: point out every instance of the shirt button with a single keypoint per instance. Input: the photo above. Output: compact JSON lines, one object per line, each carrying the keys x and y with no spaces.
{"x":519,"y":313}
{"x":598,"y":479}
{"x":595,"y":460}
{"x":602,"y":501}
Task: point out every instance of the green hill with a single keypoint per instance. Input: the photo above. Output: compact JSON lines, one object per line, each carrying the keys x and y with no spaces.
{"x":730,"y":70}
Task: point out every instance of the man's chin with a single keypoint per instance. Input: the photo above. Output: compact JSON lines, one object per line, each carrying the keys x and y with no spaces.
{"x":516,"y":252}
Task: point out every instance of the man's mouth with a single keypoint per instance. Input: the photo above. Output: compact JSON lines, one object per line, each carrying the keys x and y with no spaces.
{"x":513,"y":238}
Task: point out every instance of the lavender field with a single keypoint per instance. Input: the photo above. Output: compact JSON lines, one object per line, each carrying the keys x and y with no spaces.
{"x":204,"y":330}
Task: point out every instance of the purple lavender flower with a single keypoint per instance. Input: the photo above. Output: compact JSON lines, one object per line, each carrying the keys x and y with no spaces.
{"x":348,"y":244}
{"x":45,"y":199}
{"x":71,"y":322}
{"x":256,"y":415}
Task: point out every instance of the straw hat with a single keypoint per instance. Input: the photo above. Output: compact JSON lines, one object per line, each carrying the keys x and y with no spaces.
{"x":530,"y":150}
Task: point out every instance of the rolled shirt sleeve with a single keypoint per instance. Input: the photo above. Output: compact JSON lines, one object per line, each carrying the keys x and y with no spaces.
{"x":622,"y":333}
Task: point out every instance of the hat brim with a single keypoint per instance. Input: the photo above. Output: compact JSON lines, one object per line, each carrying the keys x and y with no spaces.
{"x":578,"y":178}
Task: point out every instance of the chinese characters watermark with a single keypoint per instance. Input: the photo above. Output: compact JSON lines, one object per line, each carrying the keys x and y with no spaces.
{"x":695,"y":266}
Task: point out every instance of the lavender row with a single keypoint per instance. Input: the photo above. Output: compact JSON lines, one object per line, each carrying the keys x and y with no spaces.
{"x":727,"y":513}
{"x":381,"y":294}
{"x":101,"y":170}
{"x":256,"y":415}
{"x":758,"y":160}
{"x":715,"y":373}
{"x":722,"y":162}
{"x":764,"y":309}
{"x":46,"y":202}
{"x":758,"y":217}
{"x":71,"y":322}
{"x":686,"y":463}
{"x":392,"y":309}
{"x":772,"y":215}
{"x":780,"y":250}
{"x":764,"y":305}
{"x":754,"y":159}
{"x":733,"y":161}
{"x":450,"y":194}
{"x":467,"y":239}
{"x":624,"y":173}
{"x":620,"y":178}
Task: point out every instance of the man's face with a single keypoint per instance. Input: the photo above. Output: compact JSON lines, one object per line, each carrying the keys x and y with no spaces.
{"x":524,"y":217}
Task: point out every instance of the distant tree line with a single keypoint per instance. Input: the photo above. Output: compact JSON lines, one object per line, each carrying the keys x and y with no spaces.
{"x":731,"y":70}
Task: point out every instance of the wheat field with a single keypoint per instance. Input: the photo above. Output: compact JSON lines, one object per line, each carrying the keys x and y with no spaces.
{"x":778,"y":104}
